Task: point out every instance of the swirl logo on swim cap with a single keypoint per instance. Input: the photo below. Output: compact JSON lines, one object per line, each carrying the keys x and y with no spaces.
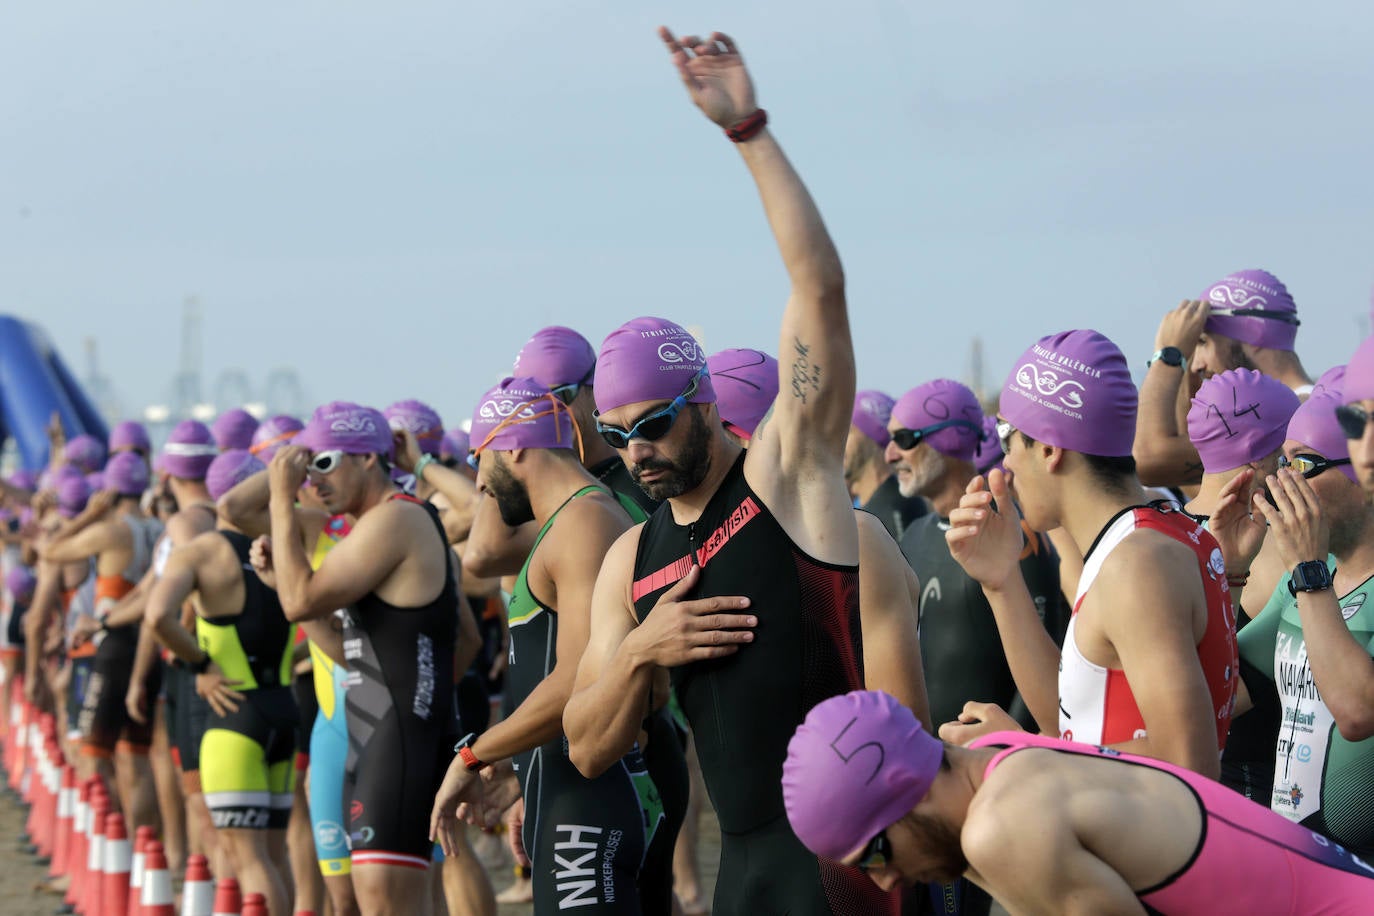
{"x":746,"y":385}
{"x":649,"y":359}
{"x":1256,"y":290}
{"x":942,"y":401}
{"x":1073,"y":390}
{"x":420,"y":420}
{"x":347,"y":427}
{"x":521,"y":413}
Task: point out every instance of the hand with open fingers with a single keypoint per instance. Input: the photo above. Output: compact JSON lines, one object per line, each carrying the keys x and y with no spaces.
{"x":680,"y":630}
{"x":460,"y":786}
{"x":407,"y":449}
{"x":1239,"y":531}
{"x":502,"y":789}
{"x":135,"y":701}
{"x":1296,"y":523}
{"x":1183,"y":326}
{"x":714,"y":74}
{"x":976,"y":720}
{"x":217,"y":690}
{"x":287,"y":472}
{"x":984,"y":535}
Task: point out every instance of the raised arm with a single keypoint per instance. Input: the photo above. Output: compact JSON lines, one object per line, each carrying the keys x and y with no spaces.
{"x":985,"y":538}
{"x":1164,"y":454}
{"x":1341,"y":665}
{"x":245,"y":506}
{"x":808,"y":425}
{"x":494,"y":548}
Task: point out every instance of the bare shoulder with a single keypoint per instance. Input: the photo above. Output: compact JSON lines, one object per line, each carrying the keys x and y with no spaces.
{"x":1143,"y":558}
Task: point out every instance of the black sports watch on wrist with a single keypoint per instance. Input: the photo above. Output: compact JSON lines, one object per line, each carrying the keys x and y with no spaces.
{"x":1309,"y":576}
{"x":201,"y":666}
{"x":1169,"y":356}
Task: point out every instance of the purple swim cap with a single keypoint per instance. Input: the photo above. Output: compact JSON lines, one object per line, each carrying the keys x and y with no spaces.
{"x":1314,"y":424}
{"x":649,"y":359}
{"x":872,"y":410}
{"x":1073,"y":390}
{"x":837,"y":802}
{"x":234,"y":429}
{"x":20,"y":581}
{"x":556,"y":356}
{"x":189,"y":450}
{"x":229,"y":469}
{"x":24,"y":479}
{"x":455,"y":444}
{"x":128,"y":434}
{"x":1358,"y":384}
{"x":349,"y":428}
{"x":942,"y":401}
{"x":272,"y":434}
{"x":420,"y":419}
{"x":521,"y":413}
{"x":1239,"y":416}
{"x":96,"y":481}
{"x":72,"y":494}
{"x":1332,"y":379}
{"x":989,"y":454}
{"x":1256,"y":290}
{"x":746,"y":383}
{"x":85,"y":452}
{"x":127,"y":474}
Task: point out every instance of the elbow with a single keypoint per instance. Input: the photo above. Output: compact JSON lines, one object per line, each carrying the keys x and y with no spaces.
{"x":589,"y":762}
{"x":226,"y":511}
{"x":1356,"y":724}
{"x":1148,"y":466}
{"x":481,"y":564}
{"x":293,"y":610}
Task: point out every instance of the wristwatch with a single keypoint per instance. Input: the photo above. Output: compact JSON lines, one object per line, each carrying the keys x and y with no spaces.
{"x":201,"y":666}
{"x":1311,"y":576}
{"x":1169,"y":356}
{"x":464,"y":751}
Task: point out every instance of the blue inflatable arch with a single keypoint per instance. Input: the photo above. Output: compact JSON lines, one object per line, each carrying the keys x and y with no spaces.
{"x":34,"y":382}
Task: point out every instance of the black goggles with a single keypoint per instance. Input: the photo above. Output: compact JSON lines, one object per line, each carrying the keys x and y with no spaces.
{"x":908,"y":439}
{"x":652,"y":426}
{"x":1353,"y":420}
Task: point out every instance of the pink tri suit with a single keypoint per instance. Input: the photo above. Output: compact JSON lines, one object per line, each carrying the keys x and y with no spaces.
{"x":1247,"y":860}
{"x":1096,"y":705}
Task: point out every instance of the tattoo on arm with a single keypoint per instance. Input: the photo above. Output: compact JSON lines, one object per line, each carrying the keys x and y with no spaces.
{"x":806,"y":375}
{"x":1192,"y":472}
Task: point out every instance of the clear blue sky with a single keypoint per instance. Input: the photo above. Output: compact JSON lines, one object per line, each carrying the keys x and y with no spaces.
{"x":391,"y":198}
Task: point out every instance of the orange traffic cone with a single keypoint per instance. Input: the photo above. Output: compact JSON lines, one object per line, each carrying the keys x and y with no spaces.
{"x":228,"y":902}
{"x":118,"y":860}
{"x":197,"y":891}
{"x":254,"y":905}
{"x":80,"y":842}
{"x":157,"y":883}
{"x":66,"y":810}
{"x":92,"y":885}
{"x":134,"y":895}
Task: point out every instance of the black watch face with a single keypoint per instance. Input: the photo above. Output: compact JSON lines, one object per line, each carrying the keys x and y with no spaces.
{"x":1171,"y":356}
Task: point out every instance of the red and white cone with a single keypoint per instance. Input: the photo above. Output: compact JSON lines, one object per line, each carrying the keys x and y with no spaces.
{"x":118,"y":861}
{"x":66,"y":812}
{"x":157,"y":884}
{"x":94,"y":881}
{"x":134,"y":895}
{"x":77,"y":855}
{"x":254,"y":905}
{"x":228,"y":900}
{"x":197,"y":891}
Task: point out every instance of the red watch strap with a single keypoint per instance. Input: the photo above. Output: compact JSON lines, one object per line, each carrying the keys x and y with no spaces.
{"x":749,"y":127}
{"x":470,"y":759}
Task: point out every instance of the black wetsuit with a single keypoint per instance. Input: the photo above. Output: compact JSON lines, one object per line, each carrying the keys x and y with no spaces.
{"x":744,"y":708}
{"x":667,"y":738}
{"x":895,"y":511}
{"x":401,"y":721}
{"x":586,"y":838}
